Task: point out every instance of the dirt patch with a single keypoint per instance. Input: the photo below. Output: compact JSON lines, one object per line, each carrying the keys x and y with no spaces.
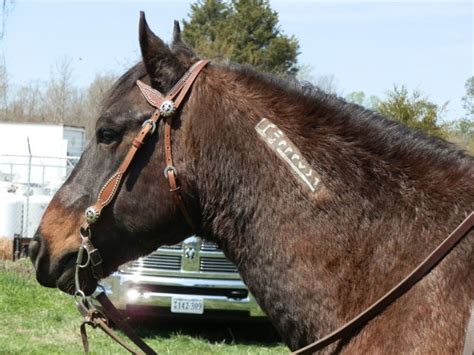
{"x":21,"y":267}
{"x":6,"y":248}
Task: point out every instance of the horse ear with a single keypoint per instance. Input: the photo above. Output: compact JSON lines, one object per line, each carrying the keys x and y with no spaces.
{"x":162,"y":65}
{"x":180,"y":49}
{"x":176,"y":33}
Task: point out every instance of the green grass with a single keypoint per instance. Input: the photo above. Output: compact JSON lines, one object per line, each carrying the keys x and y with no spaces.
{"x":37,"y":320}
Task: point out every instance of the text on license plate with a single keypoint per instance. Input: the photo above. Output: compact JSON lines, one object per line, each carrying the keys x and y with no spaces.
{"x":187,"y":305}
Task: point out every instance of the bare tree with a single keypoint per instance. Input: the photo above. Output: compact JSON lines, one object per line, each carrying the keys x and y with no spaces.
{"x":327,"y":83}
{"x":61,"y":97}
{"x":3,"y":91}
{"x":93,"y":99}
{"x":27,"y":105}
{"x":7,"y":6}
{"x":57,"y":101}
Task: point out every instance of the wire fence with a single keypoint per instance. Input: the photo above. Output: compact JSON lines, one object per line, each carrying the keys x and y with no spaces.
{"x":27,"y":184}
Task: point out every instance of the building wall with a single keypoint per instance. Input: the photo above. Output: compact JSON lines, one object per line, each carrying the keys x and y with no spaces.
{"x":48,"y":144}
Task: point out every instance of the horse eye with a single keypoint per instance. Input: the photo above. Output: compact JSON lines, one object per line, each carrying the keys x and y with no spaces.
{"x":106,"y":135}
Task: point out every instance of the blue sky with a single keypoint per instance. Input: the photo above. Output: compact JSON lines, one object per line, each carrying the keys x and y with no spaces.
{"x":366,"y":45}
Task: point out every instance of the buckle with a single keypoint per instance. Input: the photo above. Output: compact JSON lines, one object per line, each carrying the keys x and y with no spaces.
{"x":168,"y":169}
{"x":95,"y":257}
{"x":152,"y":123}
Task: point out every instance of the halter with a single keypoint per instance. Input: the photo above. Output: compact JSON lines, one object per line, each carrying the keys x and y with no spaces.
{"x":166,"y":106}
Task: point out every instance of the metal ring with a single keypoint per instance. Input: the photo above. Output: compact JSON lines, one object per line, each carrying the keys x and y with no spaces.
{"x":168,"y":168}
{"x":80,"y":254}
{"x":85,"y":232}
{"x":152,"y":123}
{"x":80,"y":293}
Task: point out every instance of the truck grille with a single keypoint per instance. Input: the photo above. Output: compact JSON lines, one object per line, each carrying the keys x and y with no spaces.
{"x":209,"y":246}
{"x":216,"y":265}
{"x":172,"y":247}
{"x":173,"y":260}
{"x":157,"y":261}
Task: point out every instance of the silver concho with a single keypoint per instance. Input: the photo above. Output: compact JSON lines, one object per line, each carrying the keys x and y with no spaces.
{"x":167,"y":108}
{"x":92,"y":215}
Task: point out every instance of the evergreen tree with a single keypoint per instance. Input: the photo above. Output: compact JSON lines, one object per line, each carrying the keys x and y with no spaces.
{"x":414,"y":110}
{"x":244,"y":31}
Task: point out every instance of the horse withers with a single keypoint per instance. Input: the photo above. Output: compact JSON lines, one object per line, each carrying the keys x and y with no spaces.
{"x":322,"y":204}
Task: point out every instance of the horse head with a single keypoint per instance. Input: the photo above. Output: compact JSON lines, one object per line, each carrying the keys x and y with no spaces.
{"x":139,"y":218}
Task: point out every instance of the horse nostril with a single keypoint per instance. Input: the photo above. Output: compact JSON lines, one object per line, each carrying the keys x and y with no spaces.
{"x":34,"y":248}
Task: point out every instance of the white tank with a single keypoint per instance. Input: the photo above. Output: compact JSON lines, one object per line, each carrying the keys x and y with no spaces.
{"x":11,"y":214}
{"x":37,"y":206}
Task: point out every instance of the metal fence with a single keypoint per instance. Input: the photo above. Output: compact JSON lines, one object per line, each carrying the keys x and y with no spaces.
{"x":27,"y":184}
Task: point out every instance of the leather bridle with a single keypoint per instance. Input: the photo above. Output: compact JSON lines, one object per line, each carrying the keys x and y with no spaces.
{"x":166,"y":106}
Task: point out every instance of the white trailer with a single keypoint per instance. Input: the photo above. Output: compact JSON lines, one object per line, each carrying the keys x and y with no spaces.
{"x":35,"y":159}
{"x":49,"y":145}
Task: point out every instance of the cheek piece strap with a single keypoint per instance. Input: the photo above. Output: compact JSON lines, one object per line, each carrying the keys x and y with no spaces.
{"x":88,"y":255}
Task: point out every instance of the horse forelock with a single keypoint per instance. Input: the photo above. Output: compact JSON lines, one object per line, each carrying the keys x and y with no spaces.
{"x":124,"y":85}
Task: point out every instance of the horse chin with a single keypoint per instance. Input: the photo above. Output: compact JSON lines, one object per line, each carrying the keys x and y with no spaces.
{"x":65,"y":281}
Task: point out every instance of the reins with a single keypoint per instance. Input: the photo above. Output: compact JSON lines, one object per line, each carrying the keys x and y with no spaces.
{"x":166,"y":107}
{"x":383,"y":302}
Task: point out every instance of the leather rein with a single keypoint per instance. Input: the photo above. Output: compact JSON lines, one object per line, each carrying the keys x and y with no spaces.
{"x":166,"y":106}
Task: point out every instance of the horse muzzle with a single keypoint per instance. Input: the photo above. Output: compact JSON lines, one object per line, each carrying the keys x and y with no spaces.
{"x":41,"y":262}
{"x":58,"y":272}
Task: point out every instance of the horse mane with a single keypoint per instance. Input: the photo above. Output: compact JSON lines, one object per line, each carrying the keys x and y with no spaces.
{"x":383,"y":135}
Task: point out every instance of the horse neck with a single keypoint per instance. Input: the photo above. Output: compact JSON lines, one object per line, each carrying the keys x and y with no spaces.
{"x":319,"y":254}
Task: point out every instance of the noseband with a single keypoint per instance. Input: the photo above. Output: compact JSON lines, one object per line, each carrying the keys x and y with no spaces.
{"x":166,"y":106}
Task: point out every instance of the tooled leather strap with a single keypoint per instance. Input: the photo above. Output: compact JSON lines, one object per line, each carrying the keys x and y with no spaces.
{"x":416,"y":275}
{"x":170,"y":170}
{"x":155,"y":99}
{"x":171,"y":175}
{"x":108,"y":191}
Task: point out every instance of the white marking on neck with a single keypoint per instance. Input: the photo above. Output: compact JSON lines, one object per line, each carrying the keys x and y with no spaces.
{"x":277,"y":141}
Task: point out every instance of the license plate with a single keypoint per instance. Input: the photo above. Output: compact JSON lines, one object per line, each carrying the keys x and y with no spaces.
{"x":187,"y":305}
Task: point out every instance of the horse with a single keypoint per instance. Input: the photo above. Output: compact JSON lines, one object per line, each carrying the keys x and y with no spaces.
{"x":318,"y":232}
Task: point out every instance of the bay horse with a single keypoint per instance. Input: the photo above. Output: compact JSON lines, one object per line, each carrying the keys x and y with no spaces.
{"x":314,"y":253}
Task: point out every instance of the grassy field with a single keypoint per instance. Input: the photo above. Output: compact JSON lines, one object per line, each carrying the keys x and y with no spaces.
{"x":36,"y":320}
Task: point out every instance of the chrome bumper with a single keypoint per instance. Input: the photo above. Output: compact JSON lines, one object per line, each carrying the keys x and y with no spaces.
{"x":131,"y":290}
